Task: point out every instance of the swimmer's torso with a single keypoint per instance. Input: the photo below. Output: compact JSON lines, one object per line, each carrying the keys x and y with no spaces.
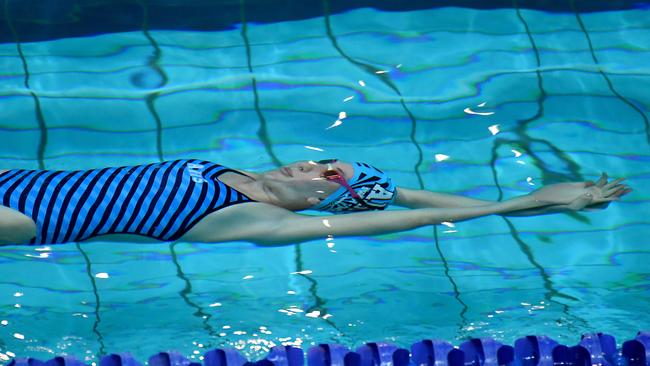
{"x":161,"y":201}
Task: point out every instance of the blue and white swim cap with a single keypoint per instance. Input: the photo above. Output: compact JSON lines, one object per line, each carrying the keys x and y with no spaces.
{"x":374,"y":188}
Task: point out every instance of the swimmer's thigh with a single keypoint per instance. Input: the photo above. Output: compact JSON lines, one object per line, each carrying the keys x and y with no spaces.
{"x":15,"y":228}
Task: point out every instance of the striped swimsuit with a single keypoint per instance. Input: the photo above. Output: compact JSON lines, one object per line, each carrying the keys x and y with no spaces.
{"x":161,"y":201}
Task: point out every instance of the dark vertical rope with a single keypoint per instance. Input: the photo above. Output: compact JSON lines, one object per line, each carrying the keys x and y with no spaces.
{"x":150,"y":106}
{"x":521,"y":131}
{"x":551,"y":293}
{"x":42,"y":143}
{"x":383,"y":77}
{"x":185,"y":295}
{"x":464,"y":308}
{"x":157,"y":52}
{"x":40,"y":154}
{"x":319,"y":302}
{"x":152,"y":62}
{"x":98,"y":319}
{"x":262,"y":133}
{"x":646,"y":123}
{"x":549,"y":174}
{"x":418,"y":162}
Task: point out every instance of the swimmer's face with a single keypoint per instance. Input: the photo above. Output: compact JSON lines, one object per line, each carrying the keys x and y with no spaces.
{"x":301,"y":185}
{"x":309,"y":170}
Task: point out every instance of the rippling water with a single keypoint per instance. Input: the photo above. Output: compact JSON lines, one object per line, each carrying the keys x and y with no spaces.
{"x":487,"y":103}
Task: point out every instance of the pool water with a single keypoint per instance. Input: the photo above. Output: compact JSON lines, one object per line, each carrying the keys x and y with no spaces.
{"x":489,"y":103}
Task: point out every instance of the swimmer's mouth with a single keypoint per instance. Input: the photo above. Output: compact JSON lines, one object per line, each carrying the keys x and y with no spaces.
{"x":286,"y":171}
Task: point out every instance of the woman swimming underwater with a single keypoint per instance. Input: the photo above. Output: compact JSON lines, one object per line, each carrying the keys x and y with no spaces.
{"x":200,"y":201}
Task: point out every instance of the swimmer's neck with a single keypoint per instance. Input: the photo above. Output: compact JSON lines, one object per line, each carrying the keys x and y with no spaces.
{"x":253,"y":185}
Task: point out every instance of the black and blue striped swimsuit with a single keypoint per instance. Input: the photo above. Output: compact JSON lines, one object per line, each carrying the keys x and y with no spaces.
{"x":161,"y":201}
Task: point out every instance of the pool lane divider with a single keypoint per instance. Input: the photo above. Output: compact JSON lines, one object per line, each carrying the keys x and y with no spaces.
{"x":593,"y":349}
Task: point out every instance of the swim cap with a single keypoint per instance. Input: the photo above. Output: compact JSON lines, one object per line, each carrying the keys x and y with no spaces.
{"x":375,"y":189}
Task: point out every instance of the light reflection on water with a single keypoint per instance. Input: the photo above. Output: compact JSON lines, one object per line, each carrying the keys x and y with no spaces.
{"x":473,"y":108}
{"x":366,"y":291}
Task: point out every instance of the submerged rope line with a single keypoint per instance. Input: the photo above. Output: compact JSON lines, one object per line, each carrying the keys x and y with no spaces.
{"x":525,"y":141}
{"x":551,"y":293}
{"x":383,"y":77}
{"x":388,"y":82}
{"x":152,"y":62}
{"x":262,"y":133}
{"x":521,"y":128}
{"x":464,"y":307}
{"x":42,"y":143}
{"x":98,"y":319}
{"x":187,"y":290}
{"x":626,"y":101}
{"x":150,"y":99}
{"x":319,"y":302}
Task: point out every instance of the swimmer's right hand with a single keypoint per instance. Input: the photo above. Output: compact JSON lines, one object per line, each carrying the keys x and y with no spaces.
{"x":591,"y":196}
{"x":577,"y":195}
{"x":602,"y":187}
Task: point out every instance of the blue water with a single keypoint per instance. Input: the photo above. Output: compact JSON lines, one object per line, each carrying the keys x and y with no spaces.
{"x":566,"y":97}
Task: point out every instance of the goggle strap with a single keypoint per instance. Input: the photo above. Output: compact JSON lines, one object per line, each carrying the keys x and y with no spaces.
{"x":336,"y":177}
{"x":340,"y":180}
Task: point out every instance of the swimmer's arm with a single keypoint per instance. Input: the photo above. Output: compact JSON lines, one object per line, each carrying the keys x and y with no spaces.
{"x":270,"y":225}
{"x":419,"y":198}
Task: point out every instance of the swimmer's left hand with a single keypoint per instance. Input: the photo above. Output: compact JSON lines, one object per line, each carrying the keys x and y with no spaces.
{"x":579,"y":195}
{"x":612,"y":191}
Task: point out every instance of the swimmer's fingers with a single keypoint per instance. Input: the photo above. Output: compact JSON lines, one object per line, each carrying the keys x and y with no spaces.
{"x":613,"y":183}
{"x":602,"y":180}
{"x":607,"y":188}
{"x":615,"y":190}
{"x":623,"y":191}
{"x":600,"y":199}
{"x":603,"y":204}
{"x":618,"y":190}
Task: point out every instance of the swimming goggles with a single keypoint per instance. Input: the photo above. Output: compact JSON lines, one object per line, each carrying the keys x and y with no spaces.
{"x":334,"y":175}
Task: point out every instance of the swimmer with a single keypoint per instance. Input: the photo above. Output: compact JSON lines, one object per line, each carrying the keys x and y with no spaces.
{"x":200,"y":201}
